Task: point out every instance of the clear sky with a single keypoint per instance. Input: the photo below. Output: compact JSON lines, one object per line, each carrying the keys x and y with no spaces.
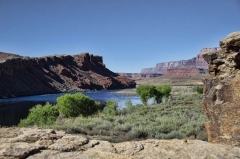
{"x":129,"y":34}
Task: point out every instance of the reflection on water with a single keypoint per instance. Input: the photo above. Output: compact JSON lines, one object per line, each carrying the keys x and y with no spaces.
{"x":11,"y":113}
{"x":14,"y":109}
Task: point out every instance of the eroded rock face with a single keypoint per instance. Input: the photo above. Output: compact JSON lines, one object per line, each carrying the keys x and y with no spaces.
{"x":195,"y":63}
{"x":222,"y":92}
{"x":137,"y":76}
{"x":35,"y":143}
{"x":185,"y":72}
{"x":20,"y":76}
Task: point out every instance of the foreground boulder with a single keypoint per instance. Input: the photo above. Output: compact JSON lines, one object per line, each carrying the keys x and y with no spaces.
{"x":47,"y":143}
{"x":222,"y":92}
{"x":21,"y":76}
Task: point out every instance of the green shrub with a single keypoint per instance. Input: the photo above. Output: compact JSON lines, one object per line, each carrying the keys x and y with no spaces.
{"x":157,"y":92}
{"x":111,"y":108}
{"x":73,"y":105}
{"x":146,"y":92}
{"x":40,"y":115}
{"x":128,"y":103}
{"x":199,"y":89}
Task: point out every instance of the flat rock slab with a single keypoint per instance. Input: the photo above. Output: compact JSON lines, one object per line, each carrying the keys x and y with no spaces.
{"x":47,"y":143}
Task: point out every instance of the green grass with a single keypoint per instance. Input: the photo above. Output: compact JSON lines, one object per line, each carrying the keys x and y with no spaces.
{"x":179,"y":118}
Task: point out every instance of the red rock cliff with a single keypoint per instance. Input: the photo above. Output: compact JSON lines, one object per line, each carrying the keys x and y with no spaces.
{"x":222,"y":92}
{"x":21,"y":76}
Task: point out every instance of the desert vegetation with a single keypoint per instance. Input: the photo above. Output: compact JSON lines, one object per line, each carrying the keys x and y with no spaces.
{"x":69,"y":105}
{"x":178,"y":118}
{"x":146,"y":92}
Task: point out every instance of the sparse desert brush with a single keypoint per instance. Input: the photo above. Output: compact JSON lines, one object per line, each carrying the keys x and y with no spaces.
{"x":174,"y":119}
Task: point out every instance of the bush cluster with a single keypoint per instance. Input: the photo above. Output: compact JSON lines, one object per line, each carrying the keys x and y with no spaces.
{"x":70,"y":105}
{"x":199,"y":89}
{"x":146,"y":92}
{"x":40,"y":115}
{"x":178,"y":118}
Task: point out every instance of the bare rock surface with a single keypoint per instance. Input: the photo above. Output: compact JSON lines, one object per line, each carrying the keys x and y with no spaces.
{"x":222,"y":92}
{"x":34,"y":143}
{"x":22,"y":76}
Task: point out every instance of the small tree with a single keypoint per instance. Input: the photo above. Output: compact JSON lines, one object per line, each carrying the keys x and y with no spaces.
{"x":40,"y":115}
{"x":128,"y":103}
{"x":166,"y":90}
{"x":146,"y":92}
{"x":73,"y":105}
{"x":158,"y":94}
{"x":111,"y":108}
{"x":199,"y":89}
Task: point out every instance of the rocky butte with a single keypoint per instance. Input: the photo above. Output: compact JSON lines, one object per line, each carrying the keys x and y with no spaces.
{"x":222,"y":92}
{"x":21,"y":76}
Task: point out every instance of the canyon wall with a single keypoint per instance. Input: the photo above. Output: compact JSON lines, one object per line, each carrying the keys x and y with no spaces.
{"x":137,"y":76}
{"x":196,"y":62}
{"x":222,"y":92}
{"x":185,"y":72}
{"x":20,"y":76}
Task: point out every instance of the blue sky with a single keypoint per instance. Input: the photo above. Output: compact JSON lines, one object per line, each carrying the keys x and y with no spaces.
{"x":129,"y":34}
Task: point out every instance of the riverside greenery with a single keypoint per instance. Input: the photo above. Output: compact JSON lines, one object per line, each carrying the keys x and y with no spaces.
{"x":70,"y":105}
{"x":179,"y":118}
{"x":146,"y":92}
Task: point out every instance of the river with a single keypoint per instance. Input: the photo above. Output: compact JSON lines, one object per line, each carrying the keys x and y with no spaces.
{"x":14,"y":109}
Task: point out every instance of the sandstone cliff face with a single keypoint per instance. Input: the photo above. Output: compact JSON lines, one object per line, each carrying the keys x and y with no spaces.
{"x":185,"y":72}
{"x":196,"y":62}
{"x":46,"y":143}
{"x":200,"y":62}
{"x":161,"y":68}
{"x":222,"y":92}
{"x":137,"y":76}
{"x":60,"y":73}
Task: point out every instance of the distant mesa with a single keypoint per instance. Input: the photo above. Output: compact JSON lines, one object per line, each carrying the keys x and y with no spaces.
{"x":137,"y":76}
{"x":22,"y":76}
{"x":194,"y":66}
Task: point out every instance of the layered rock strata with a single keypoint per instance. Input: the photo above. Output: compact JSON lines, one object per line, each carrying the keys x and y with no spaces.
{"x":22,"y":76}
{"x":47,"y":143}
{"x":194,"y":63}
{"x":222,"y":92}
{"x":137,"y":76}
{"x":185,"y":72}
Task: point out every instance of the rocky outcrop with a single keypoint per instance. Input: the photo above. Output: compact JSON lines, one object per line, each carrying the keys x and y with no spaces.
{"x":222,"y":92}
{"x":137,"y":76}
{"x":48,"y":143}
{"x":196,"y":62}
{"x":200,"y":62}
{"x":185,"y":72}
{"x":58,"y":73}
{"x":4,"y":56}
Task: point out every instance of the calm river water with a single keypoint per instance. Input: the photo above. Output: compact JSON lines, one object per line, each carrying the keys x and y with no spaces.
{"x":14,"y":109}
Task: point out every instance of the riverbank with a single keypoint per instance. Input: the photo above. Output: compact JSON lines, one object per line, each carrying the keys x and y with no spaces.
{"x":130,"y":91}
